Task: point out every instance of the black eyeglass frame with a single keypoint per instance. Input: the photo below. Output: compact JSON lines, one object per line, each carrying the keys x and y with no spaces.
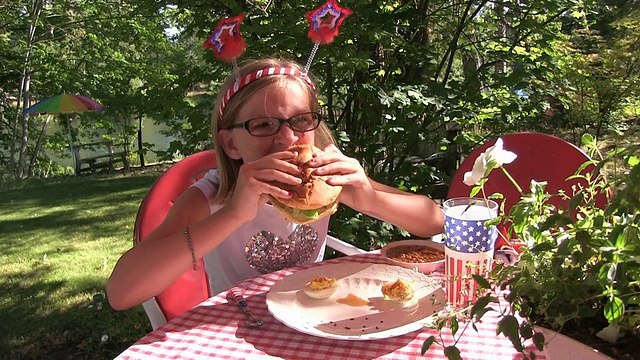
{"x":245,"y":124}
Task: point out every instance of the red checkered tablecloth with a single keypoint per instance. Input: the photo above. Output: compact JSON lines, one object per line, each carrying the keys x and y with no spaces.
{"x":214,"y":329}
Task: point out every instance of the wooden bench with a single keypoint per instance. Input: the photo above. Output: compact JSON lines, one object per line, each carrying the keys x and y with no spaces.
{"x":100,"y":155}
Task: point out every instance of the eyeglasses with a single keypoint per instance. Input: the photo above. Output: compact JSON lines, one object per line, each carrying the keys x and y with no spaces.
{"x":267,"y":126}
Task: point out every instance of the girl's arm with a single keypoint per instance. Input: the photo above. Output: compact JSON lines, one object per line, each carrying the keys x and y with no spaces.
{"x":156,"y":262}
{"x":417,"y":214}
{"x":414,"y":213}
{"x":149,"y":267}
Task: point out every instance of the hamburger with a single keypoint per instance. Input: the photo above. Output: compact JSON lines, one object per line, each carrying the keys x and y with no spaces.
{"x":313,"y":198}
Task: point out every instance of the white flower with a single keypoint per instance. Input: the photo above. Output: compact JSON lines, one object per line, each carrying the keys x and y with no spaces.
{"x":490,"y":159}
{"x":610,"y":334}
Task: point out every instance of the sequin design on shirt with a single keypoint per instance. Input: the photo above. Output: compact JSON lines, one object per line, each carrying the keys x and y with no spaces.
{"x":267,"y":252}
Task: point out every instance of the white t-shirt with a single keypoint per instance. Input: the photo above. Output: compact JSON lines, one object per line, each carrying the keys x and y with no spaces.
{"x":267,"y":243}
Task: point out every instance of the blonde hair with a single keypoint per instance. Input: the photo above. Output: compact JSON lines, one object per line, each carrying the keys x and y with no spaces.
{"x":228,"y":168}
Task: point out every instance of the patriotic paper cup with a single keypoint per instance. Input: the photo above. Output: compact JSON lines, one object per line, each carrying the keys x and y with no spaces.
{"x":459,"y":268}
{"x":464,"y":228}
{"x":469,"y":245}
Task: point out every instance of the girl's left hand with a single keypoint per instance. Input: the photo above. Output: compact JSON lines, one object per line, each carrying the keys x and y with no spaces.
{"x":357,"y":191}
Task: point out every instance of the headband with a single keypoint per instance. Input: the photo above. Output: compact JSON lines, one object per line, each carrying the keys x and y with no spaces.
{"x":227,"y":44}
{"x":258,"y":74}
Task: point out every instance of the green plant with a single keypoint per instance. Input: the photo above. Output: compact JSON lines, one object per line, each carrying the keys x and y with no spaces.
{"x":583,"y":263}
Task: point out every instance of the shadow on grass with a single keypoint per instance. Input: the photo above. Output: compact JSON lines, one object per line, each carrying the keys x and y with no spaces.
{"x":77,"y":332}
{"x":75,"y":206}
{"x":46,"y":316}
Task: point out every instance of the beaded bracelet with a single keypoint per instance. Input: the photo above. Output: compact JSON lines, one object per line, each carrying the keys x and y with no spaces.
{"x":187,"y":237}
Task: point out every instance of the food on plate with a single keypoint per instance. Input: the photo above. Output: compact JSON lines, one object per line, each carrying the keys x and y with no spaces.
{"x":321,"y":287}
{"x":353,"y":300}
{"x":415,"y":254}
{"x":313,"y":198}
{"x":399,"y":290}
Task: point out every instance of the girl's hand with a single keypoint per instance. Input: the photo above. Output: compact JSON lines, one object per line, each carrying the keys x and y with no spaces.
{"x":357,"y":190}
{"x":256,"y":181}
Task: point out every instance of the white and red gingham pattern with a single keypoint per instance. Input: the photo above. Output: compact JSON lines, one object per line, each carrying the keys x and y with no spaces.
{"x":214,"y":329}
{"x":247,"y":79}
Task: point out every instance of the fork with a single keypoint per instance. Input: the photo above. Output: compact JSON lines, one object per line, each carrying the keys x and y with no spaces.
{"x":242,"y":304}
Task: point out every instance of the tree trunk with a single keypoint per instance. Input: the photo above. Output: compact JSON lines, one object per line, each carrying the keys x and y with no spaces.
{"x":38,"y":143}
{"x":24,"y":139}
{"x":24,"y":94}
{"x":140,"y":142}
{"x":501,"y":33}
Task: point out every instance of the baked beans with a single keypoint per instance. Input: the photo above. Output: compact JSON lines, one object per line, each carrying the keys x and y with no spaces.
{"x":415,"y":254}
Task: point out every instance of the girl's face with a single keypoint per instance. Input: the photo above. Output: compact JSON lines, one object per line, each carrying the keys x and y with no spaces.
{"x":281,"y":101}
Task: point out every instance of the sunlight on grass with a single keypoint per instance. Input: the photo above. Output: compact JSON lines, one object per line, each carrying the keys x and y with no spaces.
{"x":61,"y":239}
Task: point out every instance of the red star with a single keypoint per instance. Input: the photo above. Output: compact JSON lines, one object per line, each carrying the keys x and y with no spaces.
{"x":325,"y":21}
{"x":328,"y":19}
{"x":226,"y":41}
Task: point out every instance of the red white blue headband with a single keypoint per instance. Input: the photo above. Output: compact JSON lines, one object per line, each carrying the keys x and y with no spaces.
{"x":251,"y":77}
{"x":227,"y":44}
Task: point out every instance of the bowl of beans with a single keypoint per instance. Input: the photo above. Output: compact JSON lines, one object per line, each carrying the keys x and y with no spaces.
{"x":426,"y":256}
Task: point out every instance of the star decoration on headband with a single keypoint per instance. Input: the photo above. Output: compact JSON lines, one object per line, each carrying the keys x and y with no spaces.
{"x":325,"y":22}
{"x":226,"y":40}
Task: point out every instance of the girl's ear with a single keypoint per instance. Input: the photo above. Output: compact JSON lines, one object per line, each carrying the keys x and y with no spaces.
{"x":226,"y":141}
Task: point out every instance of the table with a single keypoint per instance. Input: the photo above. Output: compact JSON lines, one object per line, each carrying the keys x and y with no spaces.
{"x":215,"y":329}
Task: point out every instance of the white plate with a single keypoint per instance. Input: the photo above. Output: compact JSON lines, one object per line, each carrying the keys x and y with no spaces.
{"x":331,"y":319}
{"x":562,"y":347}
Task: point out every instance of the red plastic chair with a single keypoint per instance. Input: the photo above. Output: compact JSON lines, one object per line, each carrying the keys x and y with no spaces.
{"x":541,"y":157}
{"x":192,"y":287}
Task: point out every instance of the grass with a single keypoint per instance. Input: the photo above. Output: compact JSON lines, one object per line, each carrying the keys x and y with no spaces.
{"x":60,"y":239}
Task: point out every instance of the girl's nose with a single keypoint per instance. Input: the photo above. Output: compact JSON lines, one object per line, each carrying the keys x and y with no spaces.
{"x":286,"y":134}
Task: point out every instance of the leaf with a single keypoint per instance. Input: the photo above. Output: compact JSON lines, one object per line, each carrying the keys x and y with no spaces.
{"x":452,"y":353}
{"x":538,"y":340}
{"x":479,"y":308}
{"x":526,"y":330}
{"x":509,"y":327}
{"x":454,"y":325}
{"x":576,"y":200}
{"x":614,"y":309}
{"x":482,"y":282}
{"x":427,"y":344}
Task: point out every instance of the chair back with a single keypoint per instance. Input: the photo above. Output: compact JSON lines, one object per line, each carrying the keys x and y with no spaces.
{"x":541,"y":157}
{"x":192,"y":287}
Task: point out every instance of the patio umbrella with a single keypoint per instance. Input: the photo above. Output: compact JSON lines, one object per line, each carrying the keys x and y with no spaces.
{"x":64,"y":104}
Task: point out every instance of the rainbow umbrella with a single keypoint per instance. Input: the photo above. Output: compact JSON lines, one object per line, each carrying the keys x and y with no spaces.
{"x":64,"y":104}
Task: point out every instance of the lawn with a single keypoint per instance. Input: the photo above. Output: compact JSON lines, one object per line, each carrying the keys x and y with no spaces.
{"x":60,"y":239}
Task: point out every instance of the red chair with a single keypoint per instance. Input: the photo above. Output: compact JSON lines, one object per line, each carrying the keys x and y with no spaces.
{"x":192,"y":287}
{"x":541,"y":157}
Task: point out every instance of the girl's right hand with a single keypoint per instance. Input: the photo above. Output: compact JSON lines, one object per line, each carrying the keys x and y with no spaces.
{"x":257,"y":181}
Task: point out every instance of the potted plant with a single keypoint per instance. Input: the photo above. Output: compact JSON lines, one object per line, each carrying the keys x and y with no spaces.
{"x":582,"y":267}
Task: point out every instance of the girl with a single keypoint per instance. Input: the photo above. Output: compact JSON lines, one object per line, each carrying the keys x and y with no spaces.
{"x":226,"y":218}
